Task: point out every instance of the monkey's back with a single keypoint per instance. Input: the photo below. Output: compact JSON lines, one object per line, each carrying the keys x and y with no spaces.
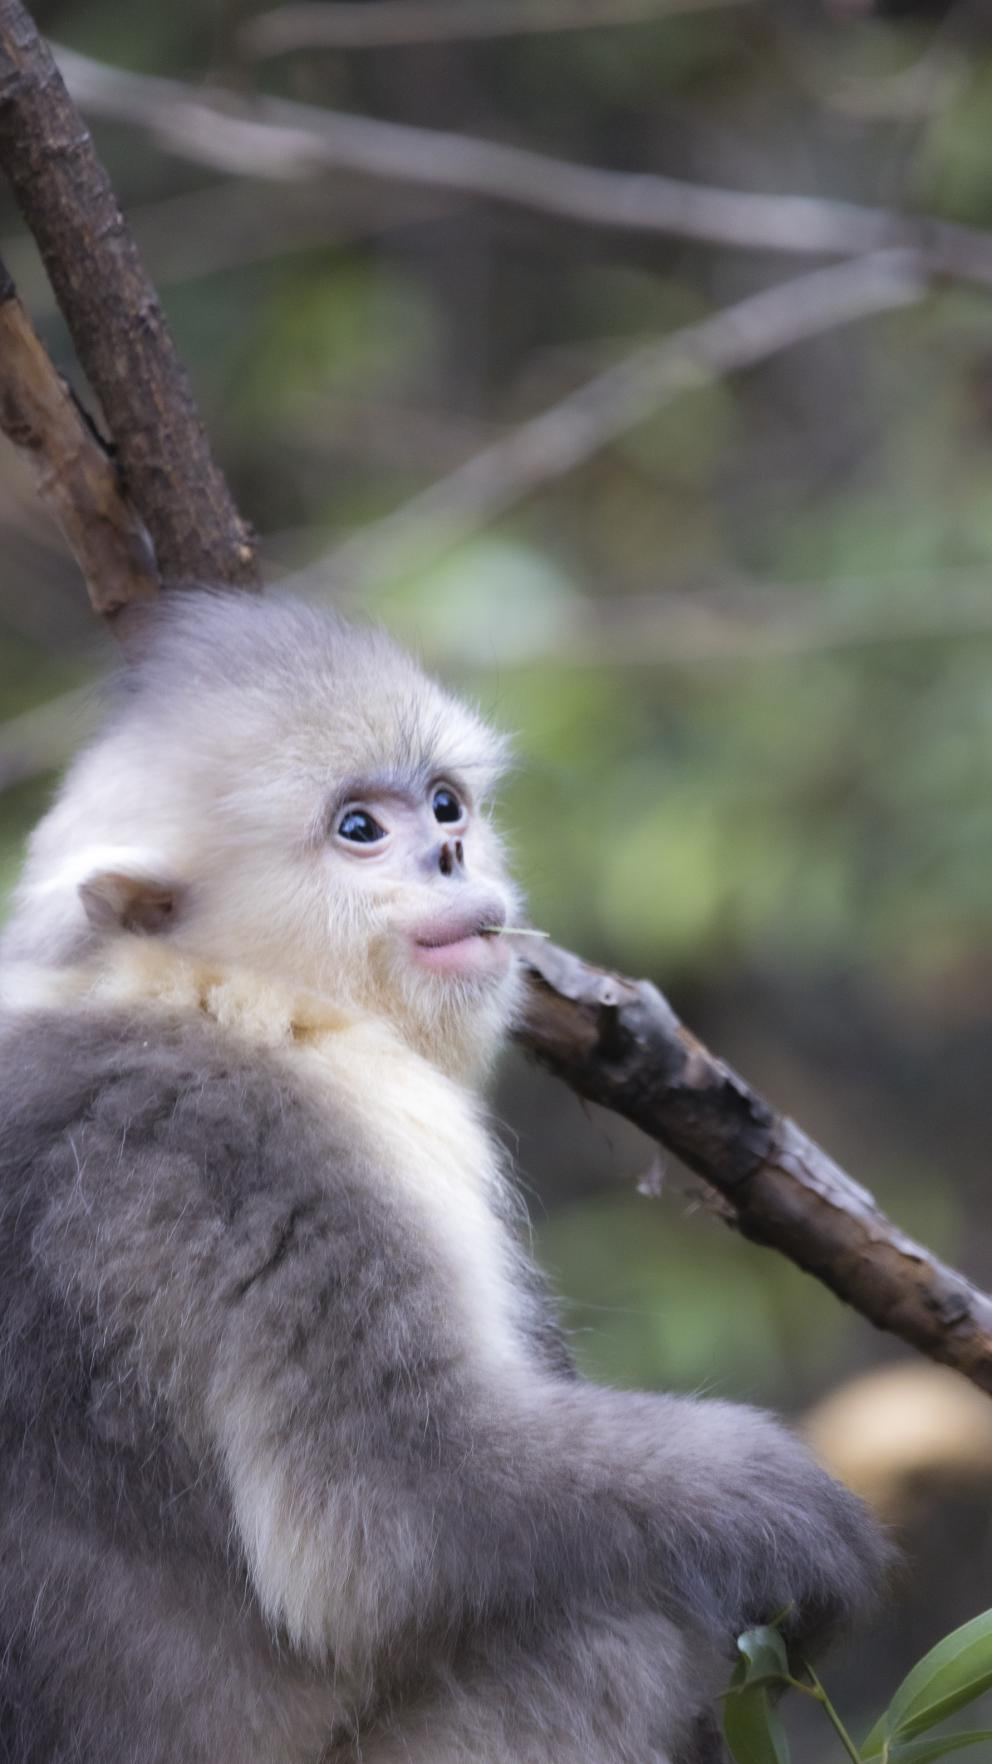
{"x":125,"y":1604}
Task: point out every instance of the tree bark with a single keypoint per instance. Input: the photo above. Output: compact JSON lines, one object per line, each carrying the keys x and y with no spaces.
{"x":619,"y":1043}
{"x":114,"y":317}
{"x":74,"y":474}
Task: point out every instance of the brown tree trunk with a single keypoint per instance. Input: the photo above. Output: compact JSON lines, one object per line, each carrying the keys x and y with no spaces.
{"x":114,"y":318}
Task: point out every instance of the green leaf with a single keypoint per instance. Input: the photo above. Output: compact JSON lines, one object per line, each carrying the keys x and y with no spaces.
{"x":751,"y":1726}
{"x":953,"y":1673}
{"x":752,"y":1729}
{"x":765,"y":1659}
{"x":921,"y":1751}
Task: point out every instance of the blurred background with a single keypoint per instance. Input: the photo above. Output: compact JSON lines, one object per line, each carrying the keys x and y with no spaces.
{"x":742,"y":629}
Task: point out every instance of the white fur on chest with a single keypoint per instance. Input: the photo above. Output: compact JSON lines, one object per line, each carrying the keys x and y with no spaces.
{"x":420,"y":1129}
{"x":427,"y":1151}
{"x":433,"y":1157}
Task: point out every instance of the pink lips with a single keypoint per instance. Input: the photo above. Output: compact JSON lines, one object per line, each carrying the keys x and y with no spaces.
{"x":458,"y":945}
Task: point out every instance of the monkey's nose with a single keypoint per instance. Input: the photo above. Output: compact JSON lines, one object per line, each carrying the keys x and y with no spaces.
{"x":451,"y":857}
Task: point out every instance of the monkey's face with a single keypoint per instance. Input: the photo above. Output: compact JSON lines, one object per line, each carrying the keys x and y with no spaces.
{"x":416,"y":864}
{"x":286,"y":796}
{"x":385,"y":890}
{"x":424,"y":852}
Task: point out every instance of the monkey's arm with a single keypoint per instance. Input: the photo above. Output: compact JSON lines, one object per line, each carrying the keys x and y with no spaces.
{"x":390,"y":1488}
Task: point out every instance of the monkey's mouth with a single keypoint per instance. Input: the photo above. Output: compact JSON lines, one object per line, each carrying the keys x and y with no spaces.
{"x":463,"y":944}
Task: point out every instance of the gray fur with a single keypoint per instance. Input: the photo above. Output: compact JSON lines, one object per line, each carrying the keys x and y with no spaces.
{"x":538,"y":1570}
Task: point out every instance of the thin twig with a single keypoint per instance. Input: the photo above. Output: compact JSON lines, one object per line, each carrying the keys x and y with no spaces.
{"x":74,"y":474}
{"x":580,"y":425}
{"x":226,"y":226}
{"x":276,"y":138}
{"x":669,"y":646}
{"x":740,"y":623}
{"x":619,"y":1043}
{"x":345,"y":24}
{"x":114,"y":316}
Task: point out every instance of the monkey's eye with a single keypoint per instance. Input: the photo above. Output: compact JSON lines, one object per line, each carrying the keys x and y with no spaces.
{"x":360,"y":827}
{"x":446,"y":805}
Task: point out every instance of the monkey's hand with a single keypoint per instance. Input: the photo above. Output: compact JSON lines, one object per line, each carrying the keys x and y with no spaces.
{"x":744,"y":1524}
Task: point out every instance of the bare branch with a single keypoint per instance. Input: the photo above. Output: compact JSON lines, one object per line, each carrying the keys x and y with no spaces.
{"x":345,"y":24}
{"x":619,"y":1043}
{"x":278,"y":139}
{"x":741,"y":622}
{"x":227,"y":225}
{"x":691,"y":631}
{"x":580,"y":425}
{"x":73,"y":473}
{"x":114,"y":316}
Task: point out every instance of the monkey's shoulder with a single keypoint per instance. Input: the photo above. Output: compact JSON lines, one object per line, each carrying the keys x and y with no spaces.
{"x":138,"y":1148}
{"x":119,"y":1101}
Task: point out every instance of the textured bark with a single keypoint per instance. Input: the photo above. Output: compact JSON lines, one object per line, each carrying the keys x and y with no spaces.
{"x":74,"y":474}
{"x":619,"y":1043}
{"x":114,"y":317}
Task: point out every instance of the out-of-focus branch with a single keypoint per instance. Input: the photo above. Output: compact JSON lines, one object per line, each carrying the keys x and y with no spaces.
{"x":619,"y":1043}
{"x":40,"y":739}
{"x":229,"y":225}
{"x":74,"y":475}
{"x":580,"y":425}
{"x":685,"y":632}
{"x":277,"y":138}
{"x":114,"y":316}
{"x":739,"y":623}
{"x":571,"y":431}
{"x":345,"y":24}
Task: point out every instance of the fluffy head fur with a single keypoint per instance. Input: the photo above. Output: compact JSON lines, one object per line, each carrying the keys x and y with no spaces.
{"x":228,"y":745}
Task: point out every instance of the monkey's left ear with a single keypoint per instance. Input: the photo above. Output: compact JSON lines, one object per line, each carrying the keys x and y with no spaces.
{"x":124,"y":901}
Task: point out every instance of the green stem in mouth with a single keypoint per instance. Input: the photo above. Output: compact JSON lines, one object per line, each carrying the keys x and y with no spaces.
{"x":510,"y":931}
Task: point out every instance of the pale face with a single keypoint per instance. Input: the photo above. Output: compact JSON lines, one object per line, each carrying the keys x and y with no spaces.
{"x":283,"y":797}
{"x":423,"y":849}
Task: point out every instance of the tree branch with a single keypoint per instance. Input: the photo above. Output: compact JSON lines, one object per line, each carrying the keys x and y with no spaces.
{"x":570,"y":432}
{"x":682,"y":632}
{"x":280,"y":139}
{"x":73,"y":472}
{"x":114,"y":316}
{"x":345,"y":24}
{"x":619,"y":1043}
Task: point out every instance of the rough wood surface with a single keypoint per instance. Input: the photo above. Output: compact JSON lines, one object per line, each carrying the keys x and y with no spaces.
{"x":619,"y":1043}
{"x":114,"y":317}
{"x":74,"y":474}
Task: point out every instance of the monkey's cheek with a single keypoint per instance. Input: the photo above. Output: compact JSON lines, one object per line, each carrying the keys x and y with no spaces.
{"x":467,"y":958}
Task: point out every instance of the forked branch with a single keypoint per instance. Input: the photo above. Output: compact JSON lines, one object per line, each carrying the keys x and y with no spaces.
{"x":74,"y":475}
{"x":114,"y":316}
{"x":279,"y":139}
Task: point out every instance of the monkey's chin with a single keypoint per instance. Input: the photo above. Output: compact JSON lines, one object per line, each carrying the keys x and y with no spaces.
{"x":477,"y":957}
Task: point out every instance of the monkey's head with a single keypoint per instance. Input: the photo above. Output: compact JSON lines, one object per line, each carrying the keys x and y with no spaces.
{"x":277,"y":792}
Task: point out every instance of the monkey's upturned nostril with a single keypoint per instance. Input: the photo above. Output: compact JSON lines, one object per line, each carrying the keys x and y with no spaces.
{"x":450,"y":856}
